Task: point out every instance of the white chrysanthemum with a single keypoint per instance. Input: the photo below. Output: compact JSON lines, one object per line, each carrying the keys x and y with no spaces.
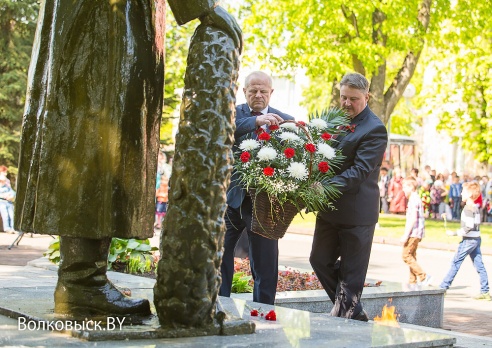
{"x":249,"y":144}
{"x":289,"y":136}
{"x":267,"y":154}
{"x":297,"y":170}
{"x":318,"y":123}
{"x":289,"y":126}
{"x":326,"y":150}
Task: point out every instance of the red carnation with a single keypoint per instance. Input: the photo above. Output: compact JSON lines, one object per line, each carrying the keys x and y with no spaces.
{"x":350,"y":128}
{"x":254,"y":313}
{"x":289,"y":152}
{"x":259,"y":130}
{"x":245,"y":156}
{"x":326,"y":136}
{"x":310,"y":147}
{"x":323,"y":167}
{"x":273,"y":127}
{"x":268,"y":171}
{"x":301,"y":123}
{"x":264,"y":136}
{"x":271,"y":316}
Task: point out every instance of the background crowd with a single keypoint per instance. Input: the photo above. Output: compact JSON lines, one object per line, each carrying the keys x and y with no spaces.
{"x":440,"y":192}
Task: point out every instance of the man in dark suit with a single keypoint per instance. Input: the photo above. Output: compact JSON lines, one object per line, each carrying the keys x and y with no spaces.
{"x":343,"y":237}
{"x":263,"y":252}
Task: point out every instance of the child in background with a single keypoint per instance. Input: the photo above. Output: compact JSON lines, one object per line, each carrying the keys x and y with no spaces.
{"x":161,"y":201}
{"x":414,"y":232}
{"x":470,"y":245}
{"x":7,"y":197}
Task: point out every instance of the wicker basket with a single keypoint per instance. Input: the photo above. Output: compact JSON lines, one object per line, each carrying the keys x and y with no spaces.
{"x":270,"y":219}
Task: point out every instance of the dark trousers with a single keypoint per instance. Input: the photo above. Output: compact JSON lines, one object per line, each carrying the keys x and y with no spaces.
{"x":263,"y":255}
{"x":340,"y":257}
{"x":456,"y":210}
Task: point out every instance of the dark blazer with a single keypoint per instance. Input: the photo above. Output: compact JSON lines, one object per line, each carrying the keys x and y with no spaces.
{"x":245,"y":124}
{"x":358,"y":175}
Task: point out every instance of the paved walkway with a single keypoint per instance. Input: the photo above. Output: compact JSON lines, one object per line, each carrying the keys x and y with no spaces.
{"x":461,"y":313}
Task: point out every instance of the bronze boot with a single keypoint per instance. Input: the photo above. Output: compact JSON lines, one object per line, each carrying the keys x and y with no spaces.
{"x":83,"y":289}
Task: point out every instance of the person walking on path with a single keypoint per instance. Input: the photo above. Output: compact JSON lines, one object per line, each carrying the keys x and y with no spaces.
{"x":470,"y":244}
{"x":414,"y":232}
{"x":263,"y":252}
{"x":343,"y":237}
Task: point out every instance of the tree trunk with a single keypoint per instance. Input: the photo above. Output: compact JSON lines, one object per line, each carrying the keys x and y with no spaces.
{"x":404,"y":75}
{"x":376,"y":102}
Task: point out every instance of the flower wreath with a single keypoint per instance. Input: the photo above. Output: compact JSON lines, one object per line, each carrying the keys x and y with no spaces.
{"x":294,"y":162}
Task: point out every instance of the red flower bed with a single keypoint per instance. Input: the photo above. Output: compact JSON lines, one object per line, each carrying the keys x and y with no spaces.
{"x":290,"y":279}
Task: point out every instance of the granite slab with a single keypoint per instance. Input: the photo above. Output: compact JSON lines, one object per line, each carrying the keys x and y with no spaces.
{"x":31,"y":299}
{"x":418,"y":305}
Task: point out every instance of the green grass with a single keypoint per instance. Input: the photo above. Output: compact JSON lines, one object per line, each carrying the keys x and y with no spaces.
{"x":391,"y":226}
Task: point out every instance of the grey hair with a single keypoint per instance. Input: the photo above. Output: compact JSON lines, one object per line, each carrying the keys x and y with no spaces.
{"x":259,"y":74}
{"x":355,"y":80}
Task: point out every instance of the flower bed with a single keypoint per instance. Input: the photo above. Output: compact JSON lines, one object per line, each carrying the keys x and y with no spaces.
{"x":289,"y":279}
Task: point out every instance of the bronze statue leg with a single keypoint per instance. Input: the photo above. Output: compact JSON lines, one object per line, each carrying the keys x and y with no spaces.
{"x":83,"y":288}
{"x":187,"y":283}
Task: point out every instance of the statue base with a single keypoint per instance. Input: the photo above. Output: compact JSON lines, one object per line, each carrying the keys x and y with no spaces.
{"x":26,"y":304}
{"x":34,"y":310}
{"x":31,"y":302}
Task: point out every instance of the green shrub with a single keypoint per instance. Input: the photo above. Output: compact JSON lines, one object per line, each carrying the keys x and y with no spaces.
{"x":133,"y":255}
{"x":53,"y":252}
{"x":240,"y":283}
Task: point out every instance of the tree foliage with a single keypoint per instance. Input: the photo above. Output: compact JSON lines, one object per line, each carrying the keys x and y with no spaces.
{"x":17,"y":27}
{"x":382,"y":40}
{"x":177,"y":42}
{"x":462,"y":83}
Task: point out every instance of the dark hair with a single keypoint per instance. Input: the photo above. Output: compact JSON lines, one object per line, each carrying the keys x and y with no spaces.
{"x":355,"y":80}
{"x":384,"y":168}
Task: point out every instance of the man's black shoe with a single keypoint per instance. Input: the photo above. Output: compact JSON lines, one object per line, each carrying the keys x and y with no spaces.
{"x":362,"y":316}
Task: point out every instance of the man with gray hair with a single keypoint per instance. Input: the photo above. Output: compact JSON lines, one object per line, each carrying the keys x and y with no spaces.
{"x":343,"y":237}
{"x":263,"y":252}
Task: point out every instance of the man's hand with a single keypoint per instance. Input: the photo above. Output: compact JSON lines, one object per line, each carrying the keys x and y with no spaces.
{"x":222,"y":19}
{"x":403,"y":239}
{"x":268,"y":119}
